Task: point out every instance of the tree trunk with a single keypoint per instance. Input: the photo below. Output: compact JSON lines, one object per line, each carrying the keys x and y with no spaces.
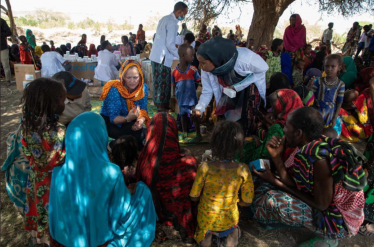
{"x":12,"y":24}
{"x":265,"y":19}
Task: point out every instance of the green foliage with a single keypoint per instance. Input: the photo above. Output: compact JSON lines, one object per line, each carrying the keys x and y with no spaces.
{"x":71,"y":25}
{"x":127,"y":26}
{"x":50,"y":19}
{"x":43,"y":19}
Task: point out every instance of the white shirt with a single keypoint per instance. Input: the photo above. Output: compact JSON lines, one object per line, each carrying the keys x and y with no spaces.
{"x":363,"y":37}
{"x":246,"y":63}
{"x":327,"y":35}
{"x":106,"y":66}
{"x":51,"y":63}
{"x":165,"y":41}
{"x":75,"y":107}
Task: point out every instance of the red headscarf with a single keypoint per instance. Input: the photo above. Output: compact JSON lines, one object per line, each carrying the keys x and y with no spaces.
{"x":363,"y":78}
{"x":92,"y":50}
{"x":286,"y":101}
{"x":295,"y":36}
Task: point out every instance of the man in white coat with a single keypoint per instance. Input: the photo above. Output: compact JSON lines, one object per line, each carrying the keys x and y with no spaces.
{"x":163,"y":52}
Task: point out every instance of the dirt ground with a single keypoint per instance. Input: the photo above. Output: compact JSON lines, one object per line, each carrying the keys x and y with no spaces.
{"x":12,"y":233}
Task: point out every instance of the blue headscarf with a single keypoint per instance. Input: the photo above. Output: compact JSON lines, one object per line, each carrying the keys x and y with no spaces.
{"x":89,"y":203}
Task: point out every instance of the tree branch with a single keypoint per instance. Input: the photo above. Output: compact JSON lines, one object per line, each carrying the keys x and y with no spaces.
{"x":3,"y":8}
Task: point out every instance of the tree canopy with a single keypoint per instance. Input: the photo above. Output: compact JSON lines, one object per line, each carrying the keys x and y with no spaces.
{"x":267,"y":12}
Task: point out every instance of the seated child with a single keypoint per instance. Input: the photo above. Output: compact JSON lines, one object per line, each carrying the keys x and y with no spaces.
{"x":52,"y":62}
{"x":329,"y":91}
{"x":297,"y":74}
{"x":77,"y":100}
{"x":308,"y":57}
{"x":184,"y":78}
{"x":350,"y":96}
{"x":330,"y":132}
{"x":217,"y":185}
{"x":125,"y":155}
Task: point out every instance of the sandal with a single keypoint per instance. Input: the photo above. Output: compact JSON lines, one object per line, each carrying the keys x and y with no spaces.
{"x":317,"y":242}
{"x":365,"y":232}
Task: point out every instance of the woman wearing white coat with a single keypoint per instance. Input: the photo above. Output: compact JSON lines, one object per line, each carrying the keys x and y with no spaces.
{"x":226,"y":66}
{"x":106,"y":67}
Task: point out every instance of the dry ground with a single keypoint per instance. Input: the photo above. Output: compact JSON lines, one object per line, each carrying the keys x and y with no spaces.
{"x":12,"y":233}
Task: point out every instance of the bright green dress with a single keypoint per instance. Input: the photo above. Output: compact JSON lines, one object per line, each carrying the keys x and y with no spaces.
{"x":251,"y":152}
{"x":274,"y":65}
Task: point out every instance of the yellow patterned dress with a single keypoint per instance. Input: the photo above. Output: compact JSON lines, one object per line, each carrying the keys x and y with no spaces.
{"x":218,"y":189}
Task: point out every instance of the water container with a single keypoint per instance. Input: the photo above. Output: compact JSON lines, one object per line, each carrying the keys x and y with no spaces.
{"x":207,"y":156}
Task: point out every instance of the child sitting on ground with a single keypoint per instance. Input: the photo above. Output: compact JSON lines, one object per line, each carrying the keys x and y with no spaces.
{"x":297,"y":74}
{"x":329,"y":91}
{"x":349,"y":96}
{"x":217,"y":186}
{"x":308,"y":57}
{"x":125,"y":155}
{"x":330,"y":132}
{"x":184,"y":78}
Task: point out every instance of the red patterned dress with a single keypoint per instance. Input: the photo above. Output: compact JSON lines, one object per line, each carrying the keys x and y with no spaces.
{"x":169,"y":174}
{"x":44,"y":151}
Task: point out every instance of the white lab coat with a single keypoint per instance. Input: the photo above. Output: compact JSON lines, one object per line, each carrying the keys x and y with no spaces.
{"x":247,"y":62}
{"x":51,"y":63}
{"x":165,"y":41}
{"x":106,"y":66}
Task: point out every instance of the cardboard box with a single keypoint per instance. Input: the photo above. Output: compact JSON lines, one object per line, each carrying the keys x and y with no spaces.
{"x":83,"y":70}
{"x":21,"y":70}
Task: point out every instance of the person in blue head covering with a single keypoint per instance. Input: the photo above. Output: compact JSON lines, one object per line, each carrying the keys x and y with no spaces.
{"x":90,"y":204}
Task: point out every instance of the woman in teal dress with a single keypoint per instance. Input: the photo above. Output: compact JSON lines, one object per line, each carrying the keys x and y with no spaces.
{"x":283,"y":102}
{"x":90,"y":204}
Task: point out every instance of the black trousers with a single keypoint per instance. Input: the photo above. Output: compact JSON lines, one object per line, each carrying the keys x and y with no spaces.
{"x":116,"y":132}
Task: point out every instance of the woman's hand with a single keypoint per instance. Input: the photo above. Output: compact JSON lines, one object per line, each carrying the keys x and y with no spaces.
{"x":196,"y":114}
{"x":266,"y":175}
{"x":257,"y":140}
{"x":133,"y":114}
{"x":138,"y":124}
{"x":276,"y":146}
{"x":310,"y":83}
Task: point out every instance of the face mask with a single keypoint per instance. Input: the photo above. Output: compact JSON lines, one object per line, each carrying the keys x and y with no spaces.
{"x":181,"y":18}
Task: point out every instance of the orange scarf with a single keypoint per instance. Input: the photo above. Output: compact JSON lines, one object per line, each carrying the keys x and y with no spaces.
{"x":138,"y":93}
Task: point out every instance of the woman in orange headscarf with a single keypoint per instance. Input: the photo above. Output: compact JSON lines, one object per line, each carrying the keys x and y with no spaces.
{"x":125,"y":103}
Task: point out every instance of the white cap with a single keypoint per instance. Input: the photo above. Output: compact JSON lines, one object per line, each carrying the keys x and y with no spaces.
{"x":208,"y":152}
